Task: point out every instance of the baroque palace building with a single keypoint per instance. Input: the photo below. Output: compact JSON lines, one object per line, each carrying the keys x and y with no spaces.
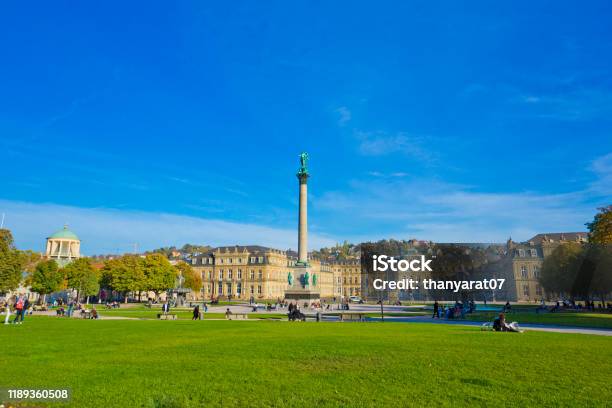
{"x":347,"y":277}
{"x":252,"y":271}
{"x":525,"y":263}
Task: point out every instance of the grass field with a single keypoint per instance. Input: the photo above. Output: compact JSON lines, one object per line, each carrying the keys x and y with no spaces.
{"x":149,"y":363}
{"x":582,"y":319}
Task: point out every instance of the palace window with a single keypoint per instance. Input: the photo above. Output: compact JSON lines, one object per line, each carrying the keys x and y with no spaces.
{"x":209,"y":274}
{"x":534,"y":253}
{"x":221,"y":274}
{"x":239,"y":260}
{"x":209,"y":288}
{"x":239,"y":273}
{"x":259,"y":289}
{"x":229,"y":288}
{"x":193,"y":261}
{"x":220,"y":287}
{"x":252,"y":274}
{"x":259,"y":275}
{"x":526,"y":290}
{"x":230,"y":260}
{"x":538,"y":290}
{"x":524,"y":273}
{"x":239,"y":288}
{"x":229,"y":274}
{"x":521,"y":253}
{"x":344,"y":280}
{"x":252,"y":259}
{"x":536,"y":271}
{"x":252,"y":289}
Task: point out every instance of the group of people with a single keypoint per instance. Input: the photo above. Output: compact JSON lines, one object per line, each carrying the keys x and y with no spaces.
{"x":21,"y":307}
{"x":455,"y":312}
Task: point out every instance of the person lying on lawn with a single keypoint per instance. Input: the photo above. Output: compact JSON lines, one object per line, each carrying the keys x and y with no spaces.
{"x":500,"y":324}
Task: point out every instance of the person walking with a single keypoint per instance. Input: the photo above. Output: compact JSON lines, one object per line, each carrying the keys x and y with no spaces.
{"x":436,"y":309}
{"x":70,"y":307}
{"x":18,"y":309}
{"x":166,"y":307}
{"x":7,"y":307}
{"x":196,"y":313}
{"x":26,"y":306}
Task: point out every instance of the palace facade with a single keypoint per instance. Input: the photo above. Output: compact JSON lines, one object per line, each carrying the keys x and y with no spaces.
{"x":252,"y":271}
{"x":526,"y":260}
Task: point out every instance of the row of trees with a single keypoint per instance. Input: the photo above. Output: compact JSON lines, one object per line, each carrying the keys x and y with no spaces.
{"x":13,"y":262}
{"x":128,"y":274}
{"x":153,"y":273}
{"x":582,"y":270}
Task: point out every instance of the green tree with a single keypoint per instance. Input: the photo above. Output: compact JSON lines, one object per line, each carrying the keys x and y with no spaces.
{"x":11,"y":262}
{"x":192,"y":279}
{"x":560,"y":269}
{"x":600,"y":253}
{"x":457,"y":262}
{"x":83,"y":277}
{"x":124,"y":275}
{"x":159,"y":274}
{"x":600,"y":229}
{"x":46,"y":278}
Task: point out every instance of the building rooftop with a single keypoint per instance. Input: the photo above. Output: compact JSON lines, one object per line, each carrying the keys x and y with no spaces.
{"x":64,"y":233}
{"x":559,"y":236}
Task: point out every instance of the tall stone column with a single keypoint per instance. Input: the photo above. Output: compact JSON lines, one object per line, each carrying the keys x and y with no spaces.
{"x":303,"y":219}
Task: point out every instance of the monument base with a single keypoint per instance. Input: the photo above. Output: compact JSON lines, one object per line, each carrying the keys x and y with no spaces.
{"x":305,"y":295}
{"x":302,"y":287}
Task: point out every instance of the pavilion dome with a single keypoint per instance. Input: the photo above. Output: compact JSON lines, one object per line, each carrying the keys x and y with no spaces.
{"x":64,"y":234}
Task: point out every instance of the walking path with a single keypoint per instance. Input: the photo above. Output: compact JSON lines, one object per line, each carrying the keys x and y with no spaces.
{"x":526,"y":326}
{"x":372,"y":309}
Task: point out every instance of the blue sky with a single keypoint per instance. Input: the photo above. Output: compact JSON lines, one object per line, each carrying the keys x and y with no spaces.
{"x":160,"y":124}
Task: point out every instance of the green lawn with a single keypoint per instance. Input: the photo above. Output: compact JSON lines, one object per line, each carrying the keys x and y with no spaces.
{"x":150,"y":363}
{"x":595,"y":320}
{"x":182,"y":314}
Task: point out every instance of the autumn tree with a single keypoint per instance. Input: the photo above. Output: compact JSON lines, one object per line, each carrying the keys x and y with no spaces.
{"x":599,"y":253}
{"x":46,"y":278}
{"x":83,"y":277}
{"x":600,"y":229}
{"x":11,"y":262}
{"x":159,"y":274}
{"x":124,"y":275}
{"x":560,"y":269}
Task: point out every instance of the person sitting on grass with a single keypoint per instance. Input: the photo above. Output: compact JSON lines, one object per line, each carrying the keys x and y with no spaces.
{"x":500,"y":324}
{"x":94,"y":313}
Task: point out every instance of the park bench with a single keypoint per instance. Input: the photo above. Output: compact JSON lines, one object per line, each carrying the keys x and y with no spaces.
{"x":237,"y":316}
{"x":166,"y":316}
{"x":39,"y":308}
{"x":352,"y":317}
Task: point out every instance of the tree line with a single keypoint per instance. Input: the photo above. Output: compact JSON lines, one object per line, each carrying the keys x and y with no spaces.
{"x":125,"y":275}
{"x":582,"y":270}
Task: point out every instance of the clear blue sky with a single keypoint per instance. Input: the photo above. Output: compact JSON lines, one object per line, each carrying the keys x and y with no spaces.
{"x":159,"y":124}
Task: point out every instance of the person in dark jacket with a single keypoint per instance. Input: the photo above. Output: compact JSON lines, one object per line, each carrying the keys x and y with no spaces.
{"x":196,"y":313}
{"x":436,"y":310}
